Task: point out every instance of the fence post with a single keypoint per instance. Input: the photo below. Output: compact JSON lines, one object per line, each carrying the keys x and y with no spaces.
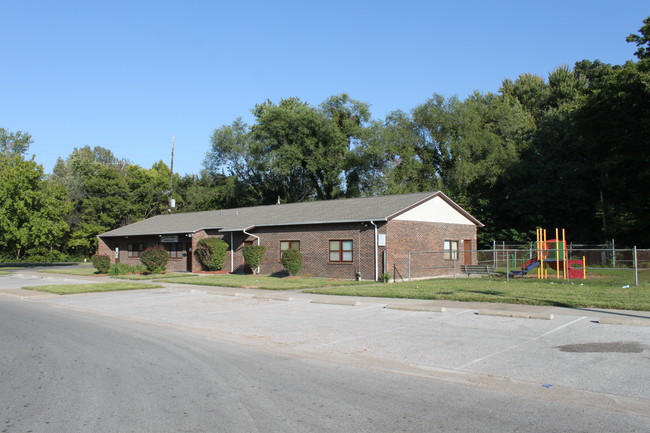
{"x":494,"y":252}
{"x":613,"y":254}
{"x":507,"y":269}
{"x":409,"y":266}
{"x":636,"y":268}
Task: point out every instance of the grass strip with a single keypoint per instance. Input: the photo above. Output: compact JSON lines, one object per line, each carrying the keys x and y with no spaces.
{"x":263,"y":282}
{"x":552,"y":293}
{"x":86,"y":272}
{"x":72,"y":289}
{"x":151,"y":276}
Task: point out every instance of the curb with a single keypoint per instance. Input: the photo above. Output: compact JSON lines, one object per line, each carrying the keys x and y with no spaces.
{"x":623,"y":321}
{"x":426,"y":308}
{"x":274,"y":297}
{"x":336,"y":302}
{"x":516,"y":314}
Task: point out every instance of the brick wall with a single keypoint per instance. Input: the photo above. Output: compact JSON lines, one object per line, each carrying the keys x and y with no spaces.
{"x":420,"y":237}
{"x":106,"y":246}
{"x":401,"y":237}
{"x":314,"y":246}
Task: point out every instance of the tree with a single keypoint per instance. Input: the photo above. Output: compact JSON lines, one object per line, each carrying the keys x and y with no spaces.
{"x":642,"y":40}
{"x":148,"y":191}
{"x":293,"y":151}
{"x":97,"y":185}
{"x":209,"y":190}
{"x":31,"y":210}
{"x":14,"y":143}
{"x":614,"y":122}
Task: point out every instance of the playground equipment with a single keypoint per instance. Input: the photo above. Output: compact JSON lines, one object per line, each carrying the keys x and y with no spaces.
{"x":552,"y":254}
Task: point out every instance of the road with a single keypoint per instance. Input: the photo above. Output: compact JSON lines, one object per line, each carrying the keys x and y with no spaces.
{"x":71,"y":371}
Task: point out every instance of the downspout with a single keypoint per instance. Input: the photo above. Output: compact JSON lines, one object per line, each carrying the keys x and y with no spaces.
{"x":376,"y":251}
{"x":258,"y":243}
{"x":232,"y":253}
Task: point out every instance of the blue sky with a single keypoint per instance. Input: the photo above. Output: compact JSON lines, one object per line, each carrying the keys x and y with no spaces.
{"x":127,"y":75}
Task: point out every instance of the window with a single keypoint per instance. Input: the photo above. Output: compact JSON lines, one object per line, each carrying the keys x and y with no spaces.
{"x":450,"y":250}
{"x":288,"y":245}
{"x":135,"y":250}
{"x":341,"y":251}
{"x":175,"y":250}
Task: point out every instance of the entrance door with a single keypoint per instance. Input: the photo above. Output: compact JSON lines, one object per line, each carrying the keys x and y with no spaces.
{"x":467,"y":247}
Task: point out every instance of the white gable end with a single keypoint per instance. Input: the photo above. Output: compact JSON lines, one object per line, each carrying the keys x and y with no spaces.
{"x":435,"y":210}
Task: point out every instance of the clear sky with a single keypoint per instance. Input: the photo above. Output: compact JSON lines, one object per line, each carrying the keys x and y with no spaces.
{"x":127,"y":75}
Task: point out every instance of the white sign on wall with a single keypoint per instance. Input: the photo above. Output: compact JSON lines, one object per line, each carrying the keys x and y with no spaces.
{"x":169,"y":239}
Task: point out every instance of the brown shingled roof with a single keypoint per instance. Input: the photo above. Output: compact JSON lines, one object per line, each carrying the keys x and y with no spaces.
{"x":381,"y":208}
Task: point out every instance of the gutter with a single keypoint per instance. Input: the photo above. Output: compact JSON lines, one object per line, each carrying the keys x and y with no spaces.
{"x":376,"y":252}
{"x":232,"y":253}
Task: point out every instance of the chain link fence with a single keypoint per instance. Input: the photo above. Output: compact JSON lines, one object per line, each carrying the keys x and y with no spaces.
{"x":632,"y":266}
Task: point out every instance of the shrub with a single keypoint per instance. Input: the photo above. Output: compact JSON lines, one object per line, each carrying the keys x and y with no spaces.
{"x":101,"y":263}
{"x":212,"y":253}
{"x":155,"y":259}
{"x":45,"y":255}
{"x":385,"y":277}
{"x":253,"y":255}
{"x":292,"y":261}
{"x":123,"y":269}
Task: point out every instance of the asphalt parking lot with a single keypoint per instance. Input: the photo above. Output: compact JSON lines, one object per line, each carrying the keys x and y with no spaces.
{"x":571,"y":356}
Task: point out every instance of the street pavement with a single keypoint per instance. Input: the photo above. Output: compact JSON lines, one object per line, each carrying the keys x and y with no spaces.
{"x":597,"y":358}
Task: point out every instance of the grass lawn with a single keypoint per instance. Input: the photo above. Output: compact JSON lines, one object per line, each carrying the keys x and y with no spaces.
{"x":4,"y":273}
{"x":151,"y":276}
{"x":71,"y":289}
{"x":73,"y":271}
{"x":263,"y":282}
{"x":598,"y":293}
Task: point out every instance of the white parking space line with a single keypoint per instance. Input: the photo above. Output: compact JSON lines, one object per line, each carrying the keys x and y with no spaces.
{"x":483,"y":358}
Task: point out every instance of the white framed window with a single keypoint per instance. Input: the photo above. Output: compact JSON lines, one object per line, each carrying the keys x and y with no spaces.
{"x":450,"y":250}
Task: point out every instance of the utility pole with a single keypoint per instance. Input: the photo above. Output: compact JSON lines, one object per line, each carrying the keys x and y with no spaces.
{"x":171,"y":202}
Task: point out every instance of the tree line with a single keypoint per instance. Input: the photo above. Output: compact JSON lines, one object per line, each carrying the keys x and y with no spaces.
{"x":567,"y":151}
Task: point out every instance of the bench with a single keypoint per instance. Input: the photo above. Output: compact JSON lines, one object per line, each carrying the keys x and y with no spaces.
{"x":477,"y":269}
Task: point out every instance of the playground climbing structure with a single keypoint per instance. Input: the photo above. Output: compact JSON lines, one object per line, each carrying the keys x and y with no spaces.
{"x":552,"y":255}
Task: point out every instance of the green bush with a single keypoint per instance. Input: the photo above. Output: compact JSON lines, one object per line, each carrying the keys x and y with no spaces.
{"x":253,"y":255}
{"x":101,"y":263}
{"x":212,"y":253}
{"x":123,"y":269}
{"x":292,"y":261}
{"x":385,"y":277}
{"x":155,"y":259}
{"x":45,"y":255}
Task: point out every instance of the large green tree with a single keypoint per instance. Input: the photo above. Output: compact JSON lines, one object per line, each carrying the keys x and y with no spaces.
{"x":293,"y":151}
{"x":31,"y":210}
{"x":97,"y":186}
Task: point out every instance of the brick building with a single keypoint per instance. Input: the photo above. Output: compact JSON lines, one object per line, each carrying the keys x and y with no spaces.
{"x":337,"y":238}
